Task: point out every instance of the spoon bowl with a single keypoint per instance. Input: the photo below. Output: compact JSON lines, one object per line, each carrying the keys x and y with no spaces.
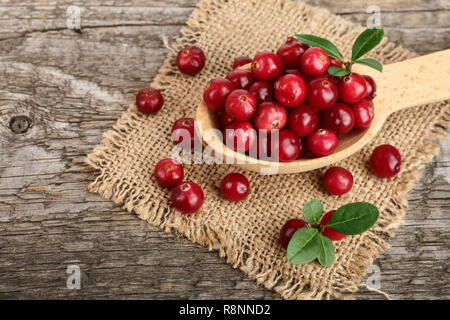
{"x":418,"y":81}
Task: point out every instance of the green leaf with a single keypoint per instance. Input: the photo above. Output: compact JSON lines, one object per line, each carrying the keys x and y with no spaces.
{"x":313,"y":211}
{"x":366,"y":41}
{"x":371,"y":63}
{"x":304,"y":246}
{"x":326,"y":255}
{"x":326,"y":45}
{"x":338,"y":72}
{"x":354,"y":218}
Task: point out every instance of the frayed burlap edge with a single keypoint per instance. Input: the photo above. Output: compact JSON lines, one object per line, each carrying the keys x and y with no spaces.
{"x":371,"y":244}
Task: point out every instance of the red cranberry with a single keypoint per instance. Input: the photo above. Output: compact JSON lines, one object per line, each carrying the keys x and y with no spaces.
{"x":335,"y":62}
{"x":287,"y":147}
{"x":241,"y":61}
{"x":288,"y":230}
{"x":149,"y":100}
{"x":298,"y":73}
{"x":168,"y":173}
{"x":364,"y":114}
{"x":329,"y":232}
{"x":225,"y":120}
{"x":241,"y":105}
{"x":239,"y":136}
{"x":371,"y":87}
{"x":321,"y":143}
{"x":263,"y":91}
{"x":352,"y":88}
{"x":191,"y":60}
{"x":187,"y":197}
{"x":303,"y":120}
{"x":385,"y":161}
{"x":235,"y":187}
{"x":322,"y":93}
{"x":183,"y":128}
{"x":339,"y":119}
{"x":216,"y":94}
{"x":266,"y":66}
{"x":290,"y":91}
{"x":270,"y":116}
{"x":241,"y":79}
{"x":291,"y":52}
{"x":315,"y":62}
{"x":338,"y":181}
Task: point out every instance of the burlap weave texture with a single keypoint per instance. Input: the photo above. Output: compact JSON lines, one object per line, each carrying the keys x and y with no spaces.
{"x":246,"y":233}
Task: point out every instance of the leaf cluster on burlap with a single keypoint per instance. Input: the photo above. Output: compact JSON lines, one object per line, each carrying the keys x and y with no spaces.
{"x":246,"y":233}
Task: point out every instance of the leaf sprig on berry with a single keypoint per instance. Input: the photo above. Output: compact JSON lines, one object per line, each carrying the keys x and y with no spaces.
{"x":365,"y":42}
{"x":310,"y":243}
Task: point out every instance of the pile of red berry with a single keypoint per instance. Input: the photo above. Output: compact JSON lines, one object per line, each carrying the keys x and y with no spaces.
{"x":290,"y":92}
{"x":187,"y":196}
{"x":289,"y":95}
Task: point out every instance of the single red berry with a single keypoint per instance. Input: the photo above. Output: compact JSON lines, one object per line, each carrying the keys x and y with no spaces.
{"x":303,"y":120}
{"x":352,"y":88}
{"x":183,"y":132}
{"x":385,"y":161}
{"x":335,"y":62}
{"x":315,"y":62}
{"x":149,"y":100}
{"x":168,"y":173}
{"x":241,"y":105}
{"x":235,"y":187}
{"x":216,"y":94}
{"x":364,"y":114}
{"x":239,"y":136}
{"x":298,"y":73}
{"x":288,"y":230}
{"x":191,"y":60}
{"x":371,"y":88}
{"x":287,"y":147}
{"x":187,"y":197}
{"x":270,"y":116}
{"x":263,"y":91}
{"x":323,"y":142}
{"x":241,"y":79}
{"x":339,"y":119}
{"x":241,"y":61}
{"x":322,"y":93}
{"x":291,"y":52}
{"x":290,"y":91}
{"x":266,"y":66}
{"x":329,"y":232}
{"x":338,"y":181}
{"x":225,"y":120}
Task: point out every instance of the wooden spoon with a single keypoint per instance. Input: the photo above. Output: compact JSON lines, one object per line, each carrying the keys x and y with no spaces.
{"x":418,"y":81}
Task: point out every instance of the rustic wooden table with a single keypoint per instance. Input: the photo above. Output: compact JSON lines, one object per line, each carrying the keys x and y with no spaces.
{"x":53,"y":82}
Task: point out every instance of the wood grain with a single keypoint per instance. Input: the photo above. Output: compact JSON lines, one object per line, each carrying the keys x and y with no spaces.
{"x":52,"y":79}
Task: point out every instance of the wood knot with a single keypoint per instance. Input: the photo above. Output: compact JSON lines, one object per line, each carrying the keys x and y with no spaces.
{"x":20,"y":124}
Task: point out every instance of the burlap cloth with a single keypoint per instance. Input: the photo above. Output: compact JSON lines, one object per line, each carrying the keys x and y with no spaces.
{"x":246,"y":233}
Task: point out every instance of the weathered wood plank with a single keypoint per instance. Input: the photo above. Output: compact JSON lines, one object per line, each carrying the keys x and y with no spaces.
{"x":48,"y":220}
{"x":409,"y":18}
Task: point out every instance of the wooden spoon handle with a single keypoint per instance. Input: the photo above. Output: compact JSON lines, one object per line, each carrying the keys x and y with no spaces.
{"x":412,"y":82}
